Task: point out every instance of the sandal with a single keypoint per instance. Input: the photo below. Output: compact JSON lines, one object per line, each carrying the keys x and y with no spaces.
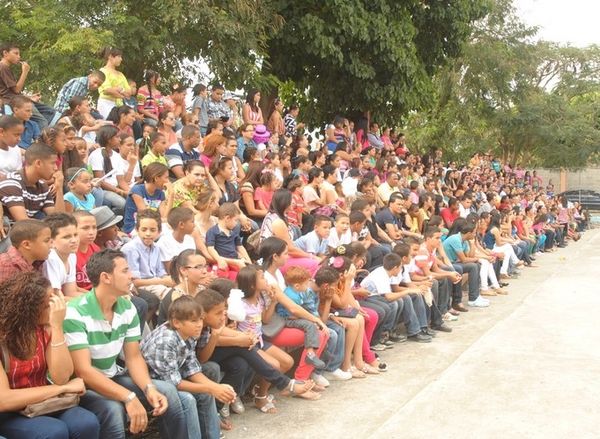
{"x":293,"y":390}
{"x":310,"y":395}
{"x":270,"y":396}
{"x":268,"y":407}
{"x":489,"y":292}
{"x":225,"y":423}
{"x":370,"y":370}
{"x":357,"y":373}
{"x":501,"y":291}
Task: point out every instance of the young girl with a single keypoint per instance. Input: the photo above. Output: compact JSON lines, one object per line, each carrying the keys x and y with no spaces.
{"x":57,"y":140}
{"x":273,"y":164}
{"x":259,"y":303}
{"x":158,"y":147}
{"x":147,"y":195}
{"x":79,"y":197}
{"x":166,"y":126}
{"x":82,"y":149}
{"x":264,"y":193}
{"x":129,"y":160}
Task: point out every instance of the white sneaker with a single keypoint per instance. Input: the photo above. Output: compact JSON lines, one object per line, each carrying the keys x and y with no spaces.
{"x":320,"y":380}
{"x":338,"y":375}
{"x":480,"y":302}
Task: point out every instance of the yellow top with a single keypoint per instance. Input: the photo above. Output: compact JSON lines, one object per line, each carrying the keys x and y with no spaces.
{"x":113,"y":79}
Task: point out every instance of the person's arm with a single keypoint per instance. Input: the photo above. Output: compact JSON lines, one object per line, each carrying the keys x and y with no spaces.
{"x":59,"y":202}
{"x":280,"y":231}
{"x":165,"y":280}
{"x":295,"y":309}
{"x":58,"y":360}
{"x":138,"y":201}
{"x":69,"y":289}
{"x":204,"y":354}
{"x":248,"y":200}
{"x":177,"y":170}
{"x":221,"y":261}
{"x":393,"y":232}
{"x":243,"y":254}
{"x":199,"y":383}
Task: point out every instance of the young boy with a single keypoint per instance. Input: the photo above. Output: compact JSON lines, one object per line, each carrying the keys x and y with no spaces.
{"x":11,"y":130}
{"x":382,"y":283}
{"x":87,"y":231}
{"x":107,"y":235}
{"x":30,"y":247}
{"x":61,"y":266}
{"x":174,"y":241}
{"x":144,"y":257}
{"x":225,"y":244}
{"x":341,"y":233}
{"x":297,"y":280}
{"x":22,"y":109}
{"x":170,"y":352}
{"x":315,"y":242}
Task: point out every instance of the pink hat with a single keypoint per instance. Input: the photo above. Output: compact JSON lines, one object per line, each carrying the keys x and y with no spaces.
{"x":261,"y":134}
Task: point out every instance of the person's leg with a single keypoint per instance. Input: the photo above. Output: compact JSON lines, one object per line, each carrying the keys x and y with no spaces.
{"x":98,"y":194}
{"x":410,"y":319}
{"x":13,"y":425}
{"x":208,"y":415}
{"x":304,"y":370}
{"x":172,"y":423}
{"x":310,"y":329}
{"x":236,"y":370}
{"x":444,"y":290}
{"x":190,"y":407}
{"x":383,"y":312}
{"x":473,"y":271}
{"x":335,"y":346}
{"x":351,"y":327}
{"x":358,"y":344}
{"x":484,"y":268}
{"x":420,"y":309}
{"x":115,"y":202}
{"x":505,"y":259}
{"x":370,"y":324}
{"x":38,"y":117}
{"x":111,"y":414}
{"x":81,"y":423}
{"x":457,"y":287}
{"x":48,"y":112}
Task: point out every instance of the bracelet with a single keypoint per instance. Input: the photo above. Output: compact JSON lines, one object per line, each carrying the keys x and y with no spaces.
{"x":149,"y":386}
{"x":55,"y":345}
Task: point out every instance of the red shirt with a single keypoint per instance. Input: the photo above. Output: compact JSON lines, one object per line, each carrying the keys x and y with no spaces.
{"x":23,"y":374}
{"x":11,"y":263}
{"x":448,"y":216}
{"x":295,"y":210}
{"x":82,"y":279}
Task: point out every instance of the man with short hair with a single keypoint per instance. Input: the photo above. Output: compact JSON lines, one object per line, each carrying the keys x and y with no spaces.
{"x":385,"y":190}
{"x":80,"y":86}
{"x":101,"y":325}
{"x":373,"y":136}
{"x":389,"y":219}
{"x":184,"y":151}
{"x":25,"y":195}
{"x":217,"y":109}
{"x":11,"y":87}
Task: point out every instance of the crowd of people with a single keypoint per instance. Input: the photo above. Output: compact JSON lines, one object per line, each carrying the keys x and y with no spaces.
{"x":166,"y":261}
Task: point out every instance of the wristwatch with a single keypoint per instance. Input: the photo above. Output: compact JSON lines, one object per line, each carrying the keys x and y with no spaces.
{"x":129,"y":398}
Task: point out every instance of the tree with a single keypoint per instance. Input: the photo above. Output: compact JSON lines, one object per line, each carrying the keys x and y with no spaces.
{"x":354,"y":56}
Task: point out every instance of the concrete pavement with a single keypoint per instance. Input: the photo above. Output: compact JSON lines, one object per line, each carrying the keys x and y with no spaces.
{"x":526,"y":367}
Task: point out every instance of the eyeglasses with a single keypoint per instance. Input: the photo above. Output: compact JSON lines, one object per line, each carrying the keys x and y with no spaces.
{"x":197,"y":267}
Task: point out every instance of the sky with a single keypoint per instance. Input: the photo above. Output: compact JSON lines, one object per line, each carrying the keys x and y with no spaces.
{"x":573,"y":22}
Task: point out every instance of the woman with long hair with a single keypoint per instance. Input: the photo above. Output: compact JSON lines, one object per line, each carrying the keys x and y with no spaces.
{"x":150,"y":99}
{"x":36,"y":364}
{"x":115,"y":87}
{"x":251,"y":112}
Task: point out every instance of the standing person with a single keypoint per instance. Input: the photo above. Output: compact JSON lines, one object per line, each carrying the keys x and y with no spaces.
{"x":150,"y":99}
{"x":99,"y":325}
{"x":275,"y":123}
{"x":200,"y":106}
{"x":80,"y":86}
{"x":10,"y":87}
{"x":217,"y":109}
{"x":34,"y":354}
{"x":291,"y":124}
{"x":251,"y":112}
{"x":115,"y":88}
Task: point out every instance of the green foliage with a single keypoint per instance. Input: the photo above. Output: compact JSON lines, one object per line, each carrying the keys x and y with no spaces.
{"x":354,"y":56}
{"x":532,"y":102}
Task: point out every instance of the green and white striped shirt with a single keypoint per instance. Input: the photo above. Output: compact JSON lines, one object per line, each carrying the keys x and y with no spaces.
{"x":86,"y":328}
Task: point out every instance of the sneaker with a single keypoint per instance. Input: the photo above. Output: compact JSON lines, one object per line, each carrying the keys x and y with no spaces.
{"x":379,"y":347}
{"x":315,"y":361}
{"x":389,"y":342}
{"x":319,"y":380}
{"x":420,"y":338}
{"x":337,"y":375}
{"x":480,"y":302}
{"x":237,"y":406}
{"x":443,"y":328}
{"x":448,"y":317}
{"x":428,"y":331}
{"x":398,"y":338}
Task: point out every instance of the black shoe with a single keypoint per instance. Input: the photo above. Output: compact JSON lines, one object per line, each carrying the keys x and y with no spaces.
{"x":443,"y":328}
{"x":429,"y":332}
{"x":420,"y":338}
{"x":504,"y":284}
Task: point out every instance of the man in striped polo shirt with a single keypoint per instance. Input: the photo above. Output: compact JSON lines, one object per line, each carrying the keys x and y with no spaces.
{"x":98,"y":327}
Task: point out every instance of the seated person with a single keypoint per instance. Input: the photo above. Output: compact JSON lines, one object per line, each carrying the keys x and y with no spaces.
{"x":31,"y":242}
{"x":315,"y":242}
{"x":22,"y":109}
{"x":179,"y":238}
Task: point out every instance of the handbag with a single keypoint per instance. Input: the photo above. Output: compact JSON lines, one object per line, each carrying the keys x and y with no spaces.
{"x":274,"y":327}
{"x":348,"y":313}
{"x":51,"y":405}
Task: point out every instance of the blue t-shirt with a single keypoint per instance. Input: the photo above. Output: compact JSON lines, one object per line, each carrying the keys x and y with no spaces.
{"x":311,"y":243}
{"x":151,"y":201}
{"x":454,"y":244}
{"x":308,"y":300}
{"x":385,"y":216}
{"x":87,"y":204}
{"x":225,"y":245}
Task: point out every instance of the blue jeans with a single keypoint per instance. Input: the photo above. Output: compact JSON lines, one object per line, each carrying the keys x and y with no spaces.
{"x":113,"y":418}
{"x":114,"y":201}
{"x":412,"y":313}
{"x":73,"y":423}
{"x":201,"y":415}
{"x":334,"y":350}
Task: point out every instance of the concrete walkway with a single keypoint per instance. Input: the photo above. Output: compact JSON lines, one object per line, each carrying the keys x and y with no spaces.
{"x":527,"y":367}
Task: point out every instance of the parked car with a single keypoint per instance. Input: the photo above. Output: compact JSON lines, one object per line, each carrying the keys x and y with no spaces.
{"x":589,"y":199}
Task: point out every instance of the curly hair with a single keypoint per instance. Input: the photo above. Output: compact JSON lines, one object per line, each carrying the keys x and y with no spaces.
{"x":22,"y":301}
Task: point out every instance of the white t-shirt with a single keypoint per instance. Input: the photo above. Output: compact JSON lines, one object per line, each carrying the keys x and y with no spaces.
{"x":55,"y":271}
{"x":275,"y":280}
{"x":334,"y":240}
{"x":379,"y":282}
{"x":96,"y":161}
{"x":169,"y":247}
{"x":124,"y":166}
{"x":11,"y":160}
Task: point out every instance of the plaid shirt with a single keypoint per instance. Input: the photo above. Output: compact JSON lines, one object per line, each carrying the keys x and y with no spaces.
{"x":12,"y":262}
{"x":169,"y":357}
{"x":217,"y":110}
{"x":74,"y":87}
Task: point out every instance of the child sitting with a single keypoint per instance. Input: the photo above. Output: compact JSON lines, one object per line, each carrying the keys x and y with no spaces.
{"x":158,"y":147}
{"x":224,"y":243}
{"x":86,"y":229}
{"x":297,"y":280}
{"x":22,"y":108}
{"x":341,"y":233}
{"x":315,"y":242}
{"x":79,"y":197}
{"x":30,"y":246}
{"x":178,"y":239}
{"x":170,"y":352}
{"x":60,"y":268}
